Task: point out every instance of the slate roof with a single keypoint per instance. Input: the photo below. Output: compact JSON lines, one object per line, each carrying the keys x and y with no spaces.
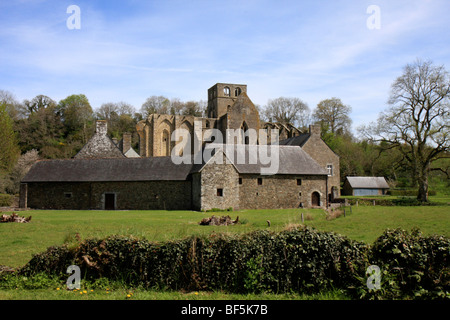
{"x":367,"y":182}
{"x":110,"y":169}
{"x":247,"y":159}
{"x":299,"y":140}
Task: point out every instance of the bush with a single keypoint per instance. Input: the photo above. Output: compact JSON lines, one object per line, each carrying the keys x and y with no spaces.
{"x":292,"y":260}
{"x":300,"y":259}
{"x":6,"y":200}
{"x":416,"y":266}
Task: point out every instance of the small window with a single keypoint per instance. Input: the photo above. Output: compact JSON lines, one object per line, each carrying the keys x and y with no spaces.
{"x":220,"y":192}
{"x":226,"y":91}
{"x":68,"y":195}
{"x":299,"y":194}
{"x":259,"y":181}
{"x":299,"y":182}
{"x":330,"y":169}
{"x":240,"y":180}
{"x":237,"y":91}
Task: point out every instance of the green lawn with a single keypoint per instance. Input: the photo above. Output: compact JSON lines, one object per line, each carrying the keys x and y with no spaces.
{"x":18,"y":242}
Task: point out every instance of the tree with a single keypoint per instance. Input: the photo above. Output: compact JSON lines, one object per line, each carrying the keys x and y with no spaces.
{"x":11,"y":104}
{"x":19,"y":171}
{"x":192,"y":108}
{"x":77,"y":116}
{"x":9,"y":150}
{"x":37,"y":103}
{"x":42,"y":129}
{"x":155,"y":104}
{"x":335,"y":114}
{"x":287,"y":111}
{"x":417,"y":121}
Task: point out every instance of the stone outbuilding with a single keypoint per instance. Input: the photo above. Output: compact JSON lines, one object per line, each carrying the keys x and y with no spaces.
{"x":312,"y":143}
{"x":231,"y":178}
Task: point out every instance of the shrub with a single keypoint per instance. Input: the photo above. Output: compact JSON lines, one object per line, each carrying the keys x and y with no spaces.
{"x":416,"y":266}
{"x":6,"y":200}
{"x":292,"y":260}
{"x":298,"y":259}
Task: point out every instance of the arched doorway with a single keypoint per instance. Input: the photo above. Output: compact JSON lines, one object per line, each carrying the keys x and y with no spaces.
{"x":315,"y":199}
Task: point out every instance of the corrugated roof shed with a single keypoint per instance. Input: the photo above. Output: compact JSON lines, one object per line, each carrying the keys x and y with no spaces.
{"x":368,"y":182}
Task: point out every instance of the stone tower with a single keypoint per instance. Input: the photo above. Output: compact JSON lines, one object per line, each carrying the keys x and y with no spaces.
{"x":221,"y":96}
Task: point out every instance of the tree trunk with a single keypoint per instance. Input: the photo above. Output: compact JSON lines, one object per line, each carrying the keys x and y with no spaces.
{"x":422,"y":180}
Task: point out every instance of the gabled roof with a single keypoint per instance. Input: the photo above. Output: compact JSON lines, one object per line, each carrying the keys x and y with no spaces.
{"x":299,"y":140}
{"x":256,"y":159}
{"x":246,"y":159}
{"x":368,"y":182}
{"x":107,"y":169}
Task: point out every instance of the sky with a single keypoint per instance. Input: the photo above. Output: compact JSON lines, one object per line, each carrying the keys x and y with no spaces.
{"x":129,"y":50}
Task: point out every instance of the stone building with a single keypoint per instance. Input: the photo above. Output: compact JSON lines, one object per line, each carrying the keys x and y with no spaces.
{"x":312,"y":143}
{"x":158,"y":183}
{"x":235,"y":172}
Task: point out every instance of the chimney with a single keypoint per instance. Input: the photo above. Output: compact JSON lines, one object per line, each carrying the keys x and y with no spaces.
{"x":126,"y":142}
{"x":314,"y":129}
{"x":101,"y":127}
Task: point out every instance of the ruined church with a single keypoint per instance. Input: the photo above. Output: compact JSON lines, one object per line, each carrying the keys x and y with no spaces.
{"x":109,"y":175}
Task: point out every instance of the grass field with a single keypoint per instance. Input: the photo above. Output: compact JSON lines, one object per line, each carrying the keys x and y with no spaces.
{"x":18,"y":242}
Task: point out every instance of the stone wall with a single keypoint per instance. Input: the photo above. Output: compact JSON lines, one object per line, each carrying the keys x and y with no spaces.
{"x":280,"y":191}
{"x":324,"y":156}
{"x":149,"y":195}
{"x":215,"y":186}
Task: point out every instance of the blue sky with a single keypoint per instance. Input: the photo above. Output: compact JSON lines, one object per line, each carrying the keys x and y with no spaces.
{"x":131,"y":50}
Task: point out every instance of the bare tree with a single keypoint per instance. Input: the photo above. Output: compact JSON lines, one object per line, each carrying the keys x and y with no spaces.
{"x":286,"y":110}
{"x":335,"y":114}
{"x":155,"y":104}
{"x":417,"y":121}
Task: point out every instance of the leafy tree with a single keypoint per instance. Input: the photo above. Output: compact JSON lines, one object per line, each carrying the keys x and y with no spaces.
{"x":417,"y":121}
{"x":335,"y":114}
{"x":9,"y":150}
{"x":77,"y":116}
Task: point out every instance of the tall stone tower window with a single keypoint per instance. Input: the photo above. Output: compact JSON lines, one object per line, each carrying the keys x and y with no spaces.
{"x":237,"y":91}
{"x":226,"y":91}
{"x":165,"y":144}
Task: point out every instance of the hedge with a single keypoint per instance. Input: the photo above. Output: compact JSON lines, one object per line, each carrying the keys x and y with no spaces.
{"x":296,"y":260}
{"x":292,"y":260}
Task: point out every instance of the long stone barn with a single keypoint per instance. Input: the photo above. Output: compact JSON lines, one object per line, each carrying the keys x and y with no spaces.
{"x":159,"y":183}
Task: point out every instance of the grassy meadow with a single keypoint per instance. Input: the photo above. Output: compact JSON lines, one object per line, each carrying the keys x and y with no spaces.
{"x":18,"y":242}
